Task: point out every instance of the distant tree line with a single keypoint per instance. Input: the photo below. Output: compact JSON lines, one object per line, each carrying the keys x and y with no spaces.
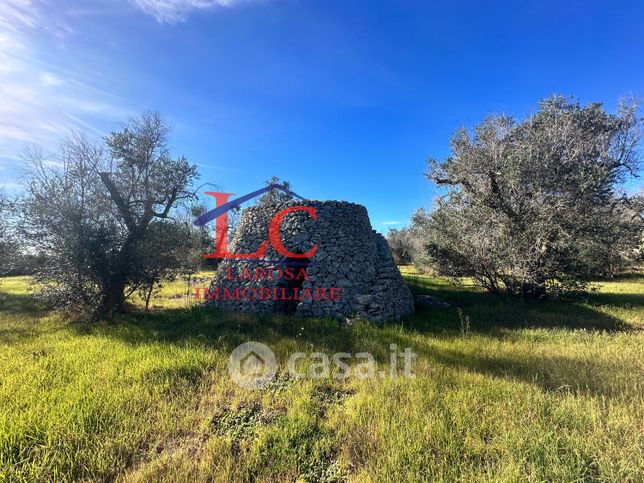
{"x":534,"y":207}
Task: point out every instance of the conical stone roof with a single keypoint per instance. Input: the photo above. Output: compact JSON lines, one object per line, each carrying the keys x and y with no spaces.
{"x":351,"y":274}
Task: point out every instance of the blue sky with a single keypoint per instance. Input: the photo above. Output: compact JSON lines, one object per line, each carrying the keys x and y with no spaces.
{"x":346,"y":99}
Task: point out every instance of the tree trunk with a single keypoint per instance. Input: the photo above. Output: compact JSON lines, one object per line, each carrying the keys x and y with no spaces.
{"x":113,"y":298}
{"x":148,"y":295}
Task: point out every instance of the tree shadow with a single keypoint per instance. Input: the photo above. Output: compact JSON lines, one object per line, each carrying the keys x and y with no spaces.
{"x":23,"y":321}
{"x":490,"y":316}
{"x":20,"y":304}
{"x":488,"y":313}
{"x":561,"y":374}
{"x":220,"y":329}
{"x":625,"y":300}
{"x":224,"y":331}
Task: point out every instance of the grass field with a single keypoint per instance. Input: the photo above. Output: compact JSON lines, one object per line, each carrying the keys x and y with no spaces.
{"x":537,"y":391}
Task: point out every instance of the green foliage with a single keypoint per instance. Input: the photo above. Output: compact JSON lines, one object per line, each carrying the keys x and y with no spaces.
{"x":275,"y":196}
{"x":543,"y":391}
{"x":535,"y":206}
{"x":168,"y":250}
{"x":7,"y":245}
{"x":401,"y":243}
{"x":99,"y":216}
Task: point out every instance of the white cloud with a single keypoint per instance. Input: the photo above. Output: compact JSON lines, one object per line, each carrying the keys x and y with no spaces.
{"x":16,"y":13}
{"x":49,"y":79}
{"x":40,"y":100}
{"x":391,"y":222}
{"x":172,"y":11}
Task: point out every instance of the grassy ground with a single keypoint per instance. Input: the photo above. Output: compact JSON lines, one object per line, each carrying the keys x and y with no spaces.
{"x":524,"y":391}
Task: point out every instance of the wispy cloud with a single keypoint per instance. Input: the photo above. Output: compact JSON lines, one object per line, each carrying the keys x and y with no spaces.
{"x":391,"y":222}
{"x":42,"y":96}
{"x":172,"y":11}
{"x":49,"y":79}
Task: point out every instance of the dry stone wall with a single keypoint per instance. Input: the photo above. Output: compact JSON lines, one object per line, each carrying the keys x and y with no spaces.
{"x":351,"y":257}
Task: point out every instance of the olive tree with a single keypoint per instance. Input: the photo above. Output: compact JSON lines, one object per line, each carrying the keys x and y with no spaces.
{"x":91,"y":211}
{"x":401,"y":245}
{"x":275,"y":196}
{"x":535,"y":206}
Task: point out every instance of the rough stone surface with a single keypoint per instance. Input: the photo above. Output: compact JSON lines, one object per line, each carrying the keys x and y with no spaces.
{"x":350,"y":256}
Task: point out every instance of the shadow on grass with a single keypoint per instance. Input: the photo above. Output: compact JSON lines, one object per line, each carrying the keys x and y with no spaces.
{"x":19,"y":304}
{"x":552,"y":373}
{"x":490,"y":315}
{"x":22,"y":323}
{"x":222,"y":332}
{"x":490,"y":312}
{"x":625,"y":300}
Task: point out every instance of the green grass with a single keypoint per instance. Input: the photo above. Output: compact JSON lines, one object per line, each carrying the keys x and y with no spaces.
{"x":535,"y":391}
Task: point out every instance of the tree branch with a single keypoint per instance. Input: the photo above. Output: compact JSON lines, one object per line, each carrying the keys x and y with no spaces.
{"x":123,"y":207}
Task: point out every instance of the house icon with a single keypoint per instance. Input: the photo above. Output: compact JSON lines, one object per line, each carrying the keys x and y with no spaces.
{"x":252,"y":365}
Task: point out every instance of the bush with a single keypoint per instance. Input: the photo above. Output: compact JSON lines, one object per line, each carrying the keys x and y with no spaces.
{"x":401,"y":245}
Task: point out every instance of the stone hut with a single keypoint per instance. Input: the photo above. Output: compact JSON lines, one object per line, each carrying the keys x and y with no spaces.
{"x":351,"y":258}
